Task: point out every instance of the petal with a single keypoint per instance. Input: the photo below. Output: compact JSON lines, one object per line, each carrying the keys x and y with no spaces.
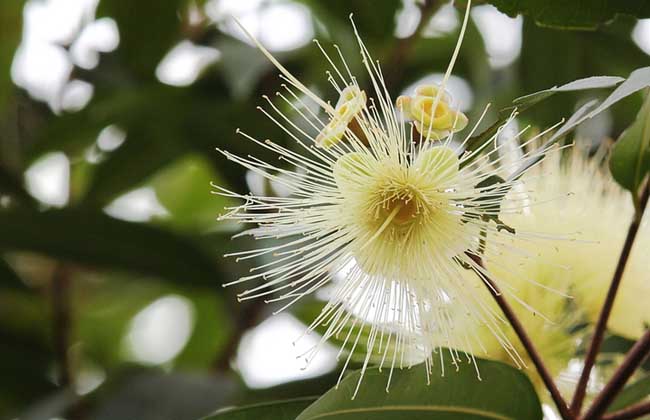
{"x":352,"y":170}
{"x":438,"y":164}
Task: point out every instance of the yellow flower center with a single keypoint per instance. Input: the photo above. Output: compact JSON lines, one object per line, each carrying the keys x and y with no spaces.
{"x":398,"y":209}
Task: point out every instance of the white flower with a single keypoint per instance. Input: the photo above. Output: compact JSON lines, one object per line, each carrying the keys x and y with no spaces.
{"x":576,"y":199}
{"x":378,"y":202}
{"x":584,"y":215}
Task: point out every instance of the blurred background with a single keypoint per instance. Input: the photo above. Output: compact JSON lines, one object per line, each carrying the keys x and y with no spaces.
{"x":111,"y":304}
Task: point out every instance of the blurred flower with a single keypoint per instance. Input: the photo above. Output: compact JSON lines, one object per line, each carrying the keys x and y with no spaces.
{"x":585,"y":215}
{"x":390,"y":217}
{"x":577,"y":195}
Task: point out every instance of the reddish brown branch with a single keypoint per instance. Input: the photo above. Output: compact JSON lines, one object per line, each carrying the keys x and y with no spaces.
{"x":632,"y":412}
{"x":633,"y":359}
{"x":248,"y":317}
{"x":601,"y":325}
{"x":525,"y":340}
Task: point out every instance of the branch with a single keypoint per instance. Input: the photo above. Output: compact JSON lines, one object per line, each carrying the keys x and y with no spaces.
{"x":601,"y":325}
{"x":248,"y":317}
{"x":524,"y":338}
{"x":633,"y":359}
{"x":399,"y":54}
{"x":60,"y":292}
{"x":632,"y":412}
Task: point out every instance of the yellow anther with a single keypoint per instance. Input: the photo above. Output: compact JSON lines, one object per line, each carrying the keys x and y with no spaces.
{"x":349,"y":106}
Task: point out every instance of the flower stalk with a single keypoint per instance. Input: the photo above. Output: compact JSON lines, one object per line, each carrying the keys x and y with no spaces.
{"x":601,"y":325}
{"x":516,"y":325}
{"x":632,"y":412}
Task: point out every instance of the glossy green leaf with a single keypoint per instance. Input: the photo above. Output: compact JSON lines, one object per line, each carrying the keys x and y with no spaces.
{"x":630,"y":158}
{"x":572,"y":14}
{"x":631,"y":394}
{"x":99,"y":240}
{"x":524,"y":102}
{"x":595,"y":82}
{"x":503,"y":393}
{"x":274,"y":410}
{"x":184,"y":189}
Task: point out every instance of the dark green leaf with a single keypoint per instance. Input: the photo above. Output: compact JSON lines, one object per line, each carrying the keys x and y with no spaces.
{"x":286,"y":409}
{"x":160,"y":396}
{"x":9,"y":278}
{"x":9,"y":184}
{"x":184,"y":189}
{"x":630,"y":158}
{"x":147,"y":30}
{"x":210,"y":334}
{"x":99,"y":240}
{"x":631,"y":394}
{"x":456,"y":395}
{"x":572,"y":14}
{"x":144,"y":152}
{"x":10,"y":32}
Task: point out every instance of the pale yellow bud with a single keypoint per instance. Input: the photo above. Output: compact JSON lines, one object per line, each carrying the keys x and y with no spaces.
{"x":351,"y":102}
{"x":431,"y":113}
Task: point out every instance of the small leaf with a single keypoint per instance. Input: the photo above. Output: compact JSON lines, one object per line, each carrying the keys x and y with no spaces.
{"x":99,"y":240}
{"x":184,"y":189}
{"x":631,"y":394}
{"x":286,"y":409}
{"x":572,"y":14}
{"x":630,"y":159}
{"x":596,"y":82}
{"x":456,"y":395}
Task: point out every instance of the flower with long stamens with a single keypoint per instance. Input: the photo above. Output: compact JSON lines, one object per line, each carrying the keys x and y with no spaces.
{"x":574,"y":197}
{"x":389,"y":216}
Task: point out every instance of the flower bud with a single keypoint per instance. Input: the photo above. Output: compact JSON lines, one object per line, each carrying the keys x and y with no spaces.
{"x":431,"y":112}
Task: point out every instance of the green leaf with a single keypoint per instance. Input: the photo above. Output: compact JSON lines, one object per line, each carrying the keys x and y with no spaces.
{"x":10,"y":184}
{"x":631,"y":394}
{"x":10,"y":32}
{"x":638,"y":79}
{"x":630,"y":158}
{"x":523,"y":103}
{"x":99,"y":240}
{"x":147,"y":30}
{"x":184,"y":189}
{"x":503,"y":393}
{"x":572,"y":14}
{"x":596,"y":82}
{"x":286,"y":409}
{"x":9,"y":278}
{"x":143,"y":153}
{"x":154,"y":395}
